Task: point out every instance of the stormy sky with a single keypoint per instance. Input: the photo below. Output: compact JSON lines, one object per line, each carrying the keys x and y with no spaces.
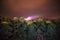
{"x":42,"y":8}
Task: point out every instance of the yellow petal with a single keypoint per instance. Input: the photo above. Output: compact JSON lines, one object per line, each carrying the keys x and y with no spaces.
{"x":4,"y":22}
{"x":39,"y":19}
{"x":48,"y":21}
{"x":29,"y":22}
{"x":15,"y":18}
{"x":21,"y":19}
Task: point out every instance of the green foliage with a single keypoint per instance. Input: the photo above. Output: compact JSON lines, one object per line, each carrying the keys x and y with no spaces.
{"x":26,"y":30}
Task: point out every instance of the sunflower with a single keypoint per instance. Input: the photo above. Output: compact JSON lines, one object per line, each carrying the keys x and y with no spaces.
{"x":48,"y":21}
{"x":21,"y":19}
{"x":29,"y":22}
{"x":15,"y":18}
{"x":40,"y":19}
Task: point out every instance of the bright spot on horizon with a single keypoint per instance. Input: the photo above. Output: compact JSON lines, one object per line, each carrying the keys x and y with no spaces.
{"x":28,"y":18}
{"x":31,"y":17}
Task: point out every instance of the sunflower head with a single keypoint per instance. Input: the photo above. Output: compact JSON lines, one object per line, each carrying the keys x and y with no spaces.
{"x":21,"y":19}
{"x":4,"y":22}
{"x":40,"y":19}
{"x":48,"y":21}
{"x":29,"y":22}
{"x":15,"y":18}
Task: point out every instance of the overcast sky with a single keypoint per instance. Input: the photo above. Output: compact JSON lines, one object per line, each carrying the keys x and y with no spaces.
{"x":43,"y":8}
